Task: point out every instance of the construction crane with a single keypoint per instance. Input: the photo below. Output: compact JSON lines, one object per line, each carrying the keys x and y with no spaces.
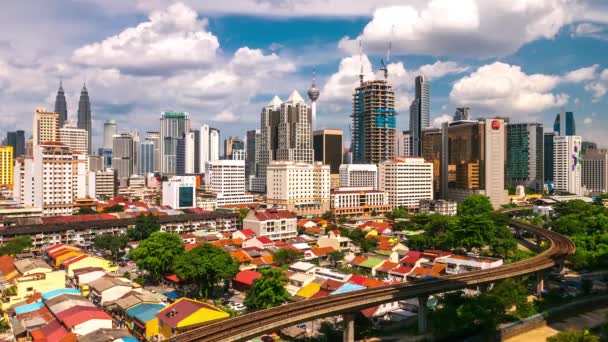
{"x":384,"y":62}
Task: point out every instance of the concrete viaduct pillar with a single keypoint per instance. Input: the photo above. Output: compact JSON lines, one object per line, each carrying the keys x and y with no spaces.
{"x":540,"y":282}
{"x":422,"y":314}
{"x":349,"y":327}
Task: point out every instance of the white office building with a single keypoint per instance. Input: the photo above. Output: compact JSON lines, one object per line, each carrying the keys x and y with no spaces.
{"x":180,"y":192}
{"x":595,"y":171}
{"x":361,"y":201}
{"x":359,"y":175}
{"x":214,"y":144}
{"x":226,"y":180}
{"x":76,"y":138}
{"x":567,"y":168}
{"x":298,"y":187}
{"x":406,"y":180}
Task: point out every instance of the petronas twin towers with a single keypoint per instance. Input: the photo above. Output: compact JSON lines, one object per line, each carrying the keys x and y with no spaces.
{"x":84,"y":110}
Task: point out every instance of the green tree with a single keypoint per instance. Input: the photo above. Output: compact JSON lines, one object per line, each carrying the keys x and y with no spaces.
{"x":476,"y":204}
{"x":16,"y":245}
{"x":86,"y":211}
{"x":267,"y":291}
{"x":242,"y":214}
{"x":116,"y":208}
{"x":286,"y":256}
{"x":328,"y":215}
{"x":157,"y":253}
{"x":145,"y":225}
{"x":573,"y":335}
{"x":206,"y":266}
{"x":111,"y":243}
{"x":126,"y":275}
{"x":335,"y":257}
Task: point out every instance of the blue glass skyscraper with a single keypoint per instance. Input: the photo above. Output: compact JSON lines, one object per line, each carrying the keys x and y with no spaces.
{"x":570,"y":127}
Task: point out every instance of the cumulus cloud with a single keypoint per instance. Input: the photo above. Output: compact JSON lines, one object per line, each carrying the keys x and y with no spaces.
{"x":225,"y":116}
{"x":590,"y":30}
{"x":171,"y":39}
{"x":467,"y":28}
{"x":506,"y":89}
{"x":437,"y":121}
{"x":587,"y":121}
{"x":582,"y":74}
{"x":597,"y":89}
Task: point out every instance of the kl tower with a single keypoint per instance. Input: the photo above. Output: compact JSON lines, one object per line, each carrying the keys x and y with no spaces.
{"x":313,"y":95}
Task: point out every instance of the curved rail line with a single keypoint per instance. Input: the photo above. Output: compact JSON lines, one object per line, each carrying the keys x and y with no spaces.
{"x":259,"y":322}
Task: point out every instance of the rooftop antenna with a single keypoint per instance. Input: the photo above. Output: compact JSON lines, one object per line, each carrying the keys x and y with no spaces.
{"x":361,"y":62}
{"x":384,"y":63}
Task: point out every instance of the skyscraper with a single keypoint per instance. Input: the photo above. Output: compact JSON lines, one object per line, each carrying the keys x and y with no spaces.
{"x":567,"y":164}
{"x":61,"y":106}
{"x":525,"y":155}
{"x":45,"y":125}
{"x":154,"y":138}
{"x":173,"y":127}
{"x":548,"y":156}
{"x":124,"y":154}
{"x":75,"y":138}
{"x":420,"y":115}
{"x":146,"y":157}
{"x":595,"y":171}
{"x":313,"y":95}
{"x":109,"y":130}
{"x":84,"y":113}
{"x":250,"y":156}
{"x":6,"y":166}
{"x":232,"y":144}
{"x":16,"y":139}
{"x":374,"y":122}
{"x":327,"y":145}
{"x":203,"y":143}
{"x":569,"y":128}
{"x":214,"y":144}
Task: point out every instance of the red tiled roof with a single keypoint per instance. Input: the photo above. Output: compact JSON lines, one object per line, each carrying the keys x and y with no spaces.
{"x":53,"y":331}
{"x":182,"y":308}
{"x":401,"y":270}
{"x":322,"y":251}
{"x":241,"y":256}
{"x":43,"y":313}
{"x":357,"y":279}
{"x":369,"y":312}
{"x":190,"y":246}
{"x":79,"y":314}
{"x":302,"y":223}
{"x":265,"y":240}
{"x":74,"y":259}
{"x":38,"y":335}
{"x":188,"y":236}
{"x":247,"y":277}
{"x":7,"y":265}
{"x":331,"y":285}
{"x":248,"y":232}
{"x":320,"y":294}
{"x":359,"y":259}
{"x":272,"y":214}
{"x":172,"y":278}
{"x":387,"y":266}
{"x":411,"y":257}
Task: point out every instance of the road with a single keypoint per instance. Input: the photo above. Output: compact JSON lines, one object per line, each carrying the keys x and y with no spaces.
{"x":264,"y":321}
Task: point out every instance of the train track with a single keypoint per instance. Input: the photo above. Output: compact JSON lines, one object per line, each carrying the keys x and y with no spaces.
{"x":259,"y":322}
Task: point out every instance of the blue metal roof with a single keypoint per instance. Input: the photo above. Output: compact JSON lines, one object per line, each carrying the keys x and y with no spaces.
{"x":173,"y":295}
{"x":28,"y":307}
{"x":58,"y":292}
{"x":145,"y":311}
{"x":348,"y":287}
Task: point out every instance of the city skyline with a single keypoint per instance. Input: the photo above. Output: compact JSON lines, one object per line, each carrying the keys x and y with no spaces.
{"x":527,"y":78}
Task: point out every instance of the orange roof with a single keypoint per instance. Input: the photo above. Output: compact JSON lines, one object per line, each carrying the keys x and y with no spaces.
{"x":314,"y":230}
{"x":387,"y":266}
{"x":386,"y":245}
{"x":372,"y":283}
{"x":38,"y":335}
{"x":358,"y":260}
{"x":7,"y":265}
{"x":70,"y":337}
{"x":301,"y":223}
{"x":322,"y":251}
{"x":241,"y":256}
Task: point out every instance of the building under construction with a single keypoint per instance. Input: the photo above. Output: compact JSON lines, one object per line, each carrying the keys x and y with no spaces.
{"x":374,"y":122}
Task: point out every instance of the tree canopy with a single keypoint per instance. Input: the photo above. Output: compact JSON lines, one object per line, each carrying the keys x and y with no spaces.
{"x":112,"y":243}
{"x":157,"y":253}
{"x":573,"y":335}
{"x":116,"y":208}
{"x":267,"y":291}
{"x":86,"y":211}
{"x":286,"y":256}
{"x":145,"y":225}
{"x":206,"y":266}
{"x":16,"y":245}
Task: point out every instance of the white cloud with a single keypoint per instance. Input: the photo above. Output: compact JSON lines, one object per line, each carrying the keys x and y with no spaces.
{"x":342,"y":83}
{"x":171,"y":39}
{"x":467,"y":28}
{"x":587,"y":121}
{"x":440,"y":69}
{"x":225,"y":116}
{"x":506,"y":89}
{"x":597,"y":89}
{"x":582,"y":74}
{"x":437,"y":121}
{"x":604,"y":75}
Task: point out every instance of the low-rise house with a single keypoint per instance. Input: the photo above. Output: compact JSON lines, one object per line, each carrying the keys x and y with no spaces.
{"x":456,"y":264}
{"x":243,"y":281}
{"x":303,"y":267}
{"x":297,"y":281}
{"x":85,"y":261}
{"x":335,"y":241}
{"x":107,"y":335}
{"x":245,"y":261}
{"x":272,"y":223}
{"x":328,"y":274}
{"x":244,"y":234}
{"x":383,"y":269}
{"x":26,"y":285}
{"x":82,"y":320}
{"x":7,"y":270}
{"x":142,"y":319}
{"x":184,"y":314}
{"x":427,"y":270}
{"x":262,"y":242}
{"x":107,"y":289}
{"x":31,"y":266}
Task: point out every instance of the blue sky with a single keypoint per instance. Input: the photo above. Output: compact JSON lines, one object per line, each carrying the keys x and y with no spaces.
{"x":223,"y":62}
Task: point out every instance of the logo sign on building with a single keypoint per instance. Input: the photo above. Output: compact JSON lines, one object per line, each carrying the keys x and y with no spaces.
{"x":495,"y":124}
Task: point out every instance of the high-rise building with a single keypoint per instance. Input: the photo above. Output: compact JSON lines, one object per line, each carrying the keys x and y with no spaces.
{"x":285,"y":134}
{"x":109,"y":130}
{"x":569,"y":128}
{"x":173,"y":127}
{"x":226,"y":180}
{"x":473,"y":156}
{"x":431,"y":152}
{"x":406,"y":181}
{"x":231,"y":144}
{"x":185,"y":154}
{"x":80,"y":175}
{"x":214,"y":144}
{"x":403,"y":141}
{"x":84,"y":114}
{"x":203,"y":148}
{"x":46,"y":180}
{"x":76,"y":138}
{"x":61,"y":106}
{"x":250,"y":157}
{"x":124,"y":154}
{"x":595,"y":171}
{"x":45,"y":127}
{"x":16,"y":139}
{"x":146,"y":157}
{"x":154,"y":138}
{"x":420,"y":114}
{"x":374,"y":122}
{"x":588,"y":146}
{"x":327,"y":144}
{"x":525,"y":155}
{"x":313,"y":95}
{"x":359,"y":175}
{"x":95,"y":163}
{"x":298,"y":187}
{"x":102,"y":184}
{"x":179,"y":192}
{"x":567,"y":157}
{"x":462,"y":114}
{"x":6,"y":166}
{"x":548,"y":156}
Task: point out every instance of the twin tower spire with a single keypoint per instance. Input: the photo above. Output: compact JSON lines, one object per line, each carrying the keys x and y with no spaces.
{"x":84,"y":110}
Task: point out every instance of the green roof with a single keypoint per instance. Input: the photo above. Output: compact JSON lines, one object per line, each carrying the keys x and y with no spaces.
{"x":371,"y":262}
{"x":176,"y":115}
